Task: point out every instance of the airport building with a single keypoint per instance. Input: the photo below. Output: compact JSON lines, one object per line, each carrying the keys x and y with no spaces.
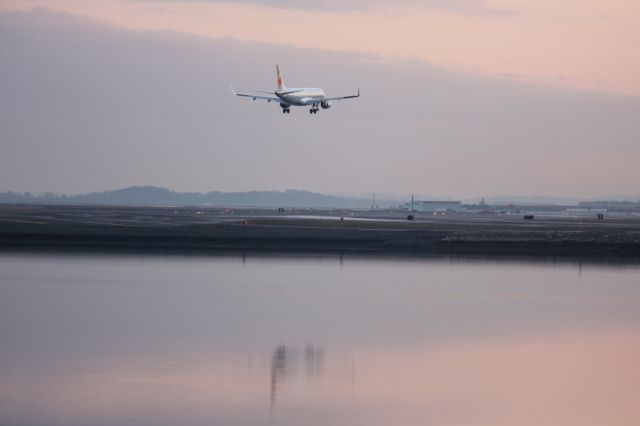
{"x":438,"y":206}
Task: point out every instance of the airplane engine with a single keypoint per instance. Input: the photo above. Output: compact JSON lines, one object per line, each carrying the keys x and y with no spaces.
{"x":326,"y":105}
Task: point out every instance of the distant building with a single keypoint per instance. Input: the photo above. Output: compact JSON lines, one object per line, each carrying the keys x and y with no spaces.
{"x":438,"y":206}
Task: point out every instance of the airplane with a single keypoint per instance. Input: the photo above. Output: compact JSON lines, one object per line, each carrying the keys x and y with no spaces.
{"x":305,"y":96}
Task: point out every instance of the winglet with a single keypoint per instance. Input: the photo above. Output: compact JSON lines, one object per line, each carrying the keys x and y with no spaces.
{"x":233,"y":91}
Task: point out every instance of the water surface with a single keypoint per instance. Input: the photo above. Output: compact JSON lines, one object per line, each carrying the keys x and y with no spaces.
{"x":319,"y":340}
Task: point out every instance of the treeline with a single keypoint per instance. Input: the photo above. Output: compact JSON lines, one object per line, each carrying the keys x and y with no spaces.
{"x":610,"y":205}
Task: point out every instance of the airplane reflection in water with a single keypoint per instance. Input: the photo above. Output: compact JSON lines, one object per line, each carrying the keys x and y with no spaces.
{"x":285,"y":365}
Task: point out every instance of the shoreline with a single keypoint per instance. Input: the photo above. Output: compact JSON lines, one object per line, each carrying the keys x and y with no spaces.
{"x":156,"y":229}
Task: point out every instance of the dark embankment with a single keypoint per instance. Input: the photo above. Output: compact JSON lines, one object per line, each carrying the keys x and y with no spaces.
{"x":151,"y":229}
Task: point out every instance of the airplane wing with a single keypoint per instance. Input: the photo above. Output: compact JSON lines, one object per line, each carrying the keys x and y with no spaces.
{"x":338,"y":98}
{"x":254,"y":97}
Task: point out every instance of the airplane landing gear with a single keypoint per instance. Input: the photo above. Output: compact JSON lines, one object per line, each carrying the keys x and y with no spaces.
{"x":286,"y":111}
{"x":314,"y":109}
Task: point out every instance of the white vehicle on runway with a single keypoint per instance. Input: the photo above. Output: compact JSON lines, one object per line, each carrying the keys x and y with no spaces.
{"x":304,"y":96}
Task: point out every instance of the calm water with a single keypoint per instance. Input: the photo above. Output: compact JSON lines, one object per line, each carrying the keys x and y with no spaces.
{"x":155,"y":340}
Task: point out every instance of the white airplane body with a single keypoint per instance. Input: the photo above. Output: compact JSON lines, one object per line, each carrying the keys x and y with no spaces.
{"x":303,"y":96}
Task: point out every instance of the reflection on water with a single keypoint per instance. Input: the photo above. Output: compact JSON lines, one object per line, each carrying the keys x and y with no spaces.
{"x":284,"y":364}
{"x":278,"y":370}
{"x":118,"y":340}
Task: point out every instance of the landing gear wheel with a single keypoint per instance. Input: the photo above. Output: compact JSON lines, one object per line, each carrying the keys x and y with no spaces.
{"x":288,"y":111}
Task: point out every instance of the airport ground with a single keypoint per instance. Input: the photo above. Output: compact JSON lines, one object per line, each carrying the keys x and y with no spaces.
{"x":214,"y":229}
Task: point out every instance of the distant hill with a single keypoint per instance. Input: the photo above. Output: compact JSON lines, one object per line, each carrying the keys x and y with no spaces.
{"x":152,"y":195}
{"x":158,"y":196}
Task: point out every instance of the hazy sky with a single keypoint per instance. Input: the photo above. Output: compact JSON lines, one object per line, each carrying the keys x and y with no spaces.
{"x":464,"y":98}
{"x":586,"y":44}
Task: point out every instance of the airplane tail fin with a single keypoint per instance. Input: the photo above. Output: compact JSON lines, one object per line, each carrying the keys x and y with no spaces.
{"x":281,"y":86}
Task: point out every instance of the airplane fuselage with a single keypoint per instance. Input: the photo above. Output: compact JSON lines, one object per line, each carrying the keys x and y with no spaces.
{"x":302,"y":96}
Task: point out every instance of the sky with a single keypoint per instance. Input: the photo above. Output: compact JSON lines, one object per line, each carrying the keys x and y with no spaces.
{"x":585,"y":44}
{"x":462,"y":98}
